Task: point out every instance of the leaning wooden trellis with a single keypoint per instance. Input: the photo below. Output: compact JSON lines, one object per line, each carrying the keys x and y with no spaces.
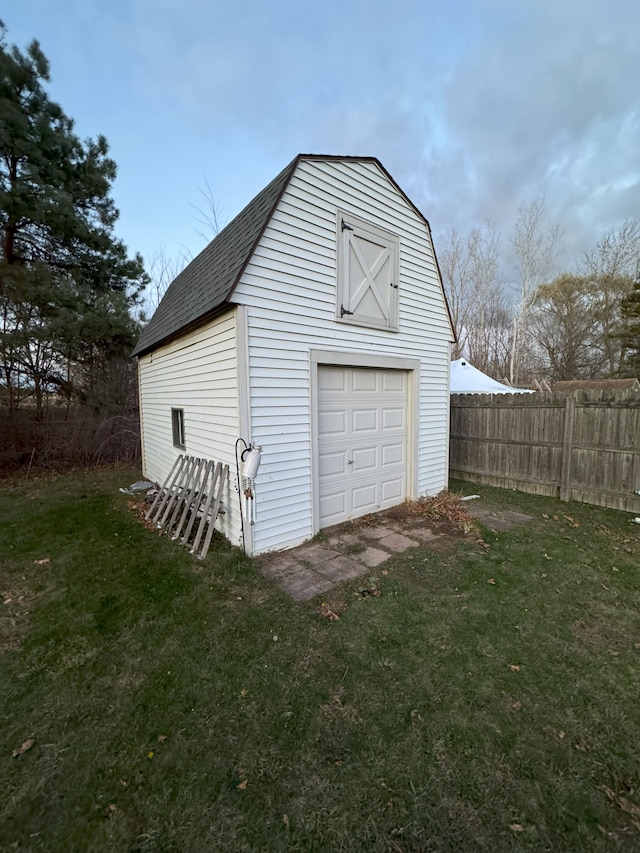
{"x":188,"y":503}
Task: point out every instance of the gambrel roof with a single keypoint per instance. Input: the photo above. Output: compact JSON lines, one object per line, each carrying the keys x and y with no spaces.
{"x":206,"y":285}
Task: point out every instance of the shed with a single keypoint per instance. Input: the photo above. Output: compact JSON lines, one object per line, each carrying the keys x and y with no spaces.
{"x":467,"y":379}
{"x":314,"y":326}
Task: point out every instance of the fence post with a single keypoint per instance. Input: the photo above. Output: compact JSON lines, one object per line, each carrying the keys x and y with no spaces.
{"x":567,"y":447}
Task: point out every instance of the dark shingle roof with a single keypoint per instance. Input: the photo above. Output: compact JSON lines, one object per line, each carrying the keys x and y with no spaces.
{"x":206,"y":284}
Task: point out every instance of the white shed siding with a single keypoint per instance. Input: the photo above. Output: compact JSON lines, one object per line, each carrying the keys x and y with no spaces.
{"x":289,"y":288}
{"x":197,"y":373}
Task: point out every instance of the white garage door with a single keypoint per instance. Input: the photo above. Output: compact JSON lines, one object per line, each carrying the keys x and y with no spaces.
{"x":362,"y":441}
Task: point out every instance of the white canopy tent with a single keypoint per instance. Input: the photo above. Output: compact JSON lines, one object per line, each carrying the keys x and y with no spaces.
{"x":467,"y":379}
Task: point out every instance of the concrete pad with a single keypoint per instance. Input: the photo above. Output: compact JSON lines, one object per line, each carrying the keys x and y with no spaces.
{"x":516,"y":517}
{"x":397,"y":542}
{"x":304,"y":590}
{"x":376,"y":532}
{"x":280,"y":568}
{"x":372,"y":557}
{"x":345,"y":539}
{"x":339,"y":569}
{"x":478,"y":512}
{"x":497,"y":524}
{"x":424,"y":534}
{"x":314,"y":553}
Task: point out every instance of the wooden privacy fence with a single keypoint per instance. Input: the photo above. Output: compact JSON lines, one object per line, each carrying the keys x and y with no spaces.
{"x":582,"y":446}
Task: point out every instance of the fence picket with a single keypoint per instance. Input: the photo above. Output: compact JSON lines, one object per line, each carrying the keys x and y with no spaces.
{"x":578,"y":446}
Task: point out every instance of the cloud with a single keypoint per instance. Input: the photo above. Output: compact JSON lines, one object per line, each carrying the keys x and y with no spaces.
{"x":546,"y":104}
{"x":475,"y":107}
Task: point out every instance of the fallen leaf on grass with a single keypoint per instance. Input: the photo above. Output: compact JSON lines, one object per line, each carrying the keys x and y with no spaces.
{"x":22,"y":749}
{"x":491,"y":580}
{"x":327,"y":613}
{"x":42,"y":562}
{"x":7,"y":600}
{"x":243,"y":785}
{"x":517,"y":706}
{"x":285,"y":820}
{"x":514,"y":667}
{"x":162,"y":738}
{"x":626,"y":805}
{"x":516,"y":827}
{"x":369,"y":590}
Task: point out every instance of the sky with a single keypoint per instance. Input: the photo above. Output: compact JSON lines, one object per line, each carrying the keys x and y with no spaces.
{"x":476,"y":107}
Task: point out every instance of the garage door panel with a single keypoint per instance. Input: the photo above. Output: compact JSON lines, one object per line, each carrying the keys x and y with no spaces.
{"x":332,"y":380}
{"x":364,"y":420}
{"x":365,"y":499}
{"x":364,"y":380}
{"x":362,"y":441}
{"x":333,"y":507}
{"x":394,"y":380}
{"x":332,"y":423}
{"x":331,"y":464}
{"x":392,"y":492}
{"x":365,"y":459}
{"x":393,"y":418}
{"x":392,"y":454}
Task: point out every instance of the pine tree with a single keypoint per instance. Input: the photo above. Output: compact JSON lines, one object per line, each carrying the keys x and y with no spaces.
{"x":67,"y":283}
{"x":630,"y":310}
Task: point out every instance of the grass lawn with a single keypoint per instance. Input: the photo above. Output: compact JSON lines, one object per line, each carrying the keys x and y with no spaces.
{"x":178,"y":705}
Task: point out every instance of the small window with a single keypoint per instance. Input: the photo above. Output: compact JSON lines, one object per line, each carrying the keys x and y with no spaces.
{"x":367,"y":274}
{"x":177,"y":424}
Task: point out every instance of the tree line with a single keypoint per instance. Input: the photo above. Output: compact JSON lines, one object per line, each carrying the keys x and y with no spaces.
{"x":537,"y":321}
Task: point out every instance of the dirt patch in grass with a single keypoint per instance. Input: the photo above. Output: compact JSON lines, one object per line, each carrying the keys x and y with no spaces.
{"x":17,"y":598}
{"x":601,"y":635}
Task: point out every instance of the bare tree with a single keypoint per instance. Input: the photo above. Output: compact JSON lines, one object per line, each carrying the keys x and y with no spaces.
{"x":469,"y":265}
{"x":208,"y":216}
{"x":536,"y":246}
{"x":163,"y":268}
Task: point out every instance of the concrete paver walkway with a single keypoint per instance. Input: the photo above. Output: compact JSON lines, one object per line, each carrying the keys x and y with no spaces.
{"x":316,"y":567}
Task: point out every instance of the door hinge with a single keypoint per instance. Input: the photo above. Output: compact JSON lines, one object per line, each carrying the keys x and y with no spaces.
{"x":345,"y":227}
{"x":344,"y":311}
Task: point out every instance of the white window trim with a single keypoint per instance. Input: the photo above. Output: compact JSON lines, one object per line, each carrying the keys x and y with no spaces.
{"x":177,"y":428}
{"x":374,"y":232}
